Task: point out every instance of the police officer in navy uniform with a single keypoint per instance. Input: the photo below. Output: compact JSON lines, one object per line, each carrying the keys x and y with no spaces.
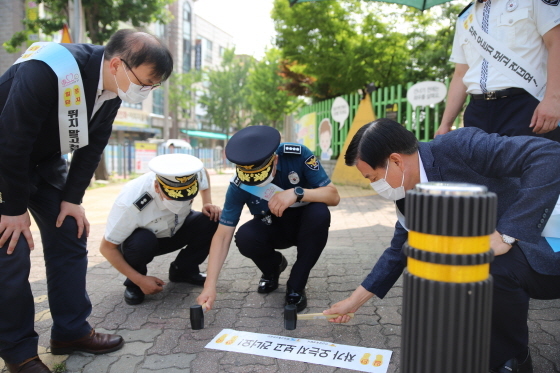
{"x":296,"y":215}
{"x":152,"y":216}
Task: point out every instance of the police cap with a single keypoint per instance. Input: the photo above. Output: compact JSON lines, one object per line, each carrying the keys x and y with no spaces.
{"x":177,"y":175}
{"x":252,"y":150}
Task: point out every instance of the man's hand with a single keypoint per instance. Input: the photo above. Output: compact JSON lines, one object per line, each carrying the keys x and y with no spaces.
{"x":150,"y":284}
{"x":77,"y":212}
{"x":212,"y":211}
{"x":546,"y":116}
{"x":498,"y":245}
{"x":442,"y":130}
{"x":281,"y":201}
{"x":15,"y":226}
{"x":207,"y":296}
{"x":342,"y":308}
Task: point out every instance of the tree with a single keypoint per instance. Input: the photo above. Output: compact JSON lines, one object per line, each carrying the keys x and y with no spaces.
{"x":266,"y":94}
{"x":102,"y":18}
{"x":225,"y":97}
{"x":336,"y":47}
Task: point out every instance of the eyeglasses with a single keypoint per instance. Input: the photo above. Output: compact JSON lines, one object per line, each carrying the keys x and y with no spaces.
{"x":144,"y":87}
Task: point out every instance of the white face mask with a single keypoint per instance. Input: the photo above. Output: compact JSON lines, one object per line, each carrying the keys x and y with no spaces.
{"x":134,"y":93}
{"x":174,"y":206}
{"x":385,"y":190}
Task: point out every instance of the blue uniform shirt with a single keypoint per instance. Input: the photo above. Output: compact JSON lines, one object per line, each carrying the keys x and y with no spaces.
{"x":297,"y":166}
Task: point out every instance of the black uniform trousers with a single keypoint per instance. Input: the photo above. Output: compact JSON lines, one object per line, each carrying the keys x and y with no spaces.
{"x":196,"y":233}
{"x":305,"y":227}
{"x":515,"y":282}
{"x":509,"y":116}
{"x":66,"y":266}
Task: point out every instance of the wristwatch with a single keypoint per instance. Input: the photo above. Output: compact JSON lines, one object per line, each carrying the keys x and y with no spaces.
{"x":299,"y":192}
{"x":508,"y":239}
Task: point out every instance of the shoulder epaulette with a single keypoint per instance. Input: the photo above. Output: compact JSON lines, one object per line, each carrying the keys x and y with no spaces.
{"x":292,"y":149}
{"x":466,"y":8}
{"x":143,"y":201}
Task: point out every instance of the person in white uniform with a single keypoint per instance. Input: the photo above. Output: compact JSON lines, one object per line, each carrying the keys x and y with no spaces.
{"x":152,"y":216}
{"x":521,"y":38}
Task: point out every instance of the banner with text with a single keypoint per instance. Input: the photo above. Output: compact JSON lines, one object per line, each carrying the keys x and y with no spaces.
{"x":361,"y":359}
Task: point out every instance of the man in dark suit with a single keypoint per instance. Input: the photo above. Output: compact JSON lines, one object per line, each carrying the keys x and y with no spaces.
{"x":34,"y":176}
{"x":523,"y":171}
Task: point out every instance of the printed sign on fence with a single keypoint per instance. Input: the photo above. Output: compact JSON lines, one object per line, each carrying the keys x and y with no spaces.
{"x":361,"y":359}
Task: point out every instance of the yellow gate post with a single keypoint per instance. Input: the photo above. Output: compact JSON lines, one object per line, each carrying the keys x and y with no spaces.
{"x":447,"y":287}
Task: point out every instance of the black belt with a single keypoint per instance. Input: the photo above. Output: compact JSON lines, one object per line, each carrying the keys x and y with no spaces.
{"x":502,"y":93}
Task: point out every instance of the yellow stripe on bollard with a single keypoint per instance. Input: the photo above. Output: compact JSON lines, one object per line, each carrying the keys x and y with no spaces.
{"x":448,"y":273}
{"x":449,"y":244}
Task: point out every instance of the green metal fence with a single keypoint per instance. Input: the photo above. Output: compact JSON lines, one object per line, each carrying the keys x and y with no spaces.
{"x":389,"y":102}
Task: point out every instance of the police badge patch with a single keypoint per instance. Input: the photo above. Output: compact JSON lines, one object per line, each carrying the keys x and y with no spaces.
{"x":312,"y":163}
{"x":551,"y":2}
{"x":143,"y":201}
{"x":293,"y":177}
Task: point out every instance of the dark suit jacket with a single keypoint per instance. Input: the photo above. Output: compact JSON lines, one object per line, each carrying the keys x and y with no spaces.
{"x":523,"y":171}
{"x":29,"y":135}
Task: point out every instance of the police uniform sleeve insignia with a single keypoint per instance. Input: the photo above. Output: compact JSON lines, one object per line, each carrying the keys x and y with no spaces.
{"x":292,"y":149}
{"x":312,"y":163}
{"x":143,"y":201}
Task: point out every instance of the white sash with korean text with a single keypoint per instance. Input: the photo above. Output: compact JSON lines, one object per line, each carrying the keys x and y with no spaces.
{"x":507,"y":62}
{"x":72,"y":110}
{"x":266,"y":192}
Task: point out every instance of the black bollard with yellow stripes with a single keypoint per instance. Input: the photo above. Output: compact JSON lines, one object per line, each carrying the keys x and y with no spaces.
{"x":447,"y":287}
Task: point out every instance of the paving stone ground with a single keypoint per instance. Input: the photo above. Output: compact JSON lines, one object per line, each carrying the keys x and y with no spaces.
{"x":157,"y":332}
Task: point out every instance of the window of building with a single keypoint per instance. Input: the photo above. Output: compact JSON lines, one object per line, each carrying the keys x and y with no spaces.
{"x":132,"y":106}
{"x":157,"y":107}
{"x":222,"y":51}
{"x":208,"y":51}
{"x":187,"y":37}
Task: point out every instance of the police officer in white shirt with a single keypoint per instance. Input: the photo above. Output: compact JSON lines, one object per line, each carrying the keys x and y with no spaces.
{"x":524,"y":39}
{"x":152,"y":216}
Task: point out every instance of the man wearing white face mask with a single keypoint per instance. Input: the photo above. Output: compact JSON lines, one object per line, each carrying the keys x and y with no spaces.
{"x":57,"y":99}
{"x":152,"y":216}
{"x":523,"y":171}
{"x":287,"y":192}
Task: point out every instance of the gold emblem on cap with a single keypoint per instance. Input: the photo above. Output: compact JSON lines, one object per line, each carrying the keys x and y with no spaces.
{"x":246,"y":167}
{"x":183,"y":179}
{"x":193,"y":189}
{"x":173,"y":193}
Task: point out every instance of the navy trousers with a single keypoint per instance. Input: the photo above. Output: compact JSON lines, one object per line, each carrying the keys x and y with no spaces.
{"x":196,"y":233}
{"x":66,"y":266}
{"x":508,"y":116}
{"x":515,"y":282}
{"x":305,"y":227}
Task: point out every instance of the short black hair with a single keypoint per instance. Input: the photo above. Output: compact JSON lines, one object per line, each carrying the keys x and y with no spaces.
{"x":377,"y":140}
{"x":137,"y":48}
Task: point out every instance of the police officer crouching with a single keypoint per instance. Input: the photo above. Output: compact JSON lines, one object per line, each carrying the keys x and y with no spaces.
{"x":287,"y":192}
{"x":152,"y":216}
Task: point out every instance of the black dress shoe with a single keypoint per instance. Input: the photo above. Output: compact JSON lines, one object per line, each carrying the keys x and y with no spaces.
{"x":269,"y":283}
{"x":298,"y":298}
{"x":176,"y":275}
{"x":514,"y":366}
{"x":93,"y":343}
{"x":133,"y":295}
{"x":33,"y":365}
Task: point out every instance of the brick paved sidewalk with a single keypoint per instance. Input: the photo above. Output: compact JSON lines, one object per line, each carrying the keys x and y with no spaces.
{"x":158,"y":334}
